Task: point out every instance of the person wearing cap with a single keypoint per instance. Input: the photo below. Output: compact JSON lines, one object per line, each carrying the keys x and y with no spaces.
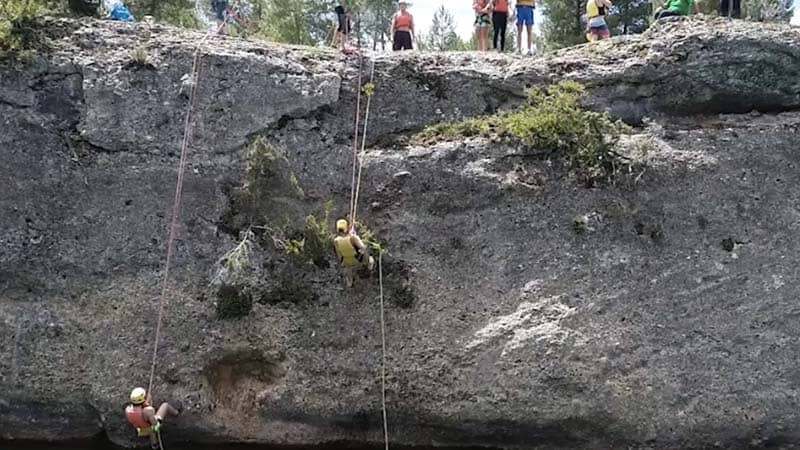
{"x":402,"y":30}
{"x":350,"y":251}
{"x":145,"y":418}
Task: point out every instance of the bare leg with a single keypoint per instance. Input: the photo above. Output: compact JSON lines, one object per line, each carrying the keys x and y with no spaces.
{"x":349,"y":276}
{"x":519,"y":38}
{"x":166,"y":410}
{"x":530,"y":38}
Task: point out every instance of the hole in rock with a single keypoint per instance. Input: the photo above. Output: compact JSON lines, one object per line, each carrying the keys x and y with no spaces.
{"x":239,"y":377}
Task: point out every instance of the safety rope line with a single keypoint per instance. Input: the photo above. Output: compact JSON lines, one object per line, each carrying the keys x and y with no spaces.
{"x":357,"y":188}
{"x":176,"y":205}
{"x":383,"y":354}
{"x":355,"y":139}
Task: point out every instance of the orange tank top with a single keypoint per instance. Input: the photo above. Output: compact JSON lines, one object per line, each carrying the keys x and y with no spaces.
{"x":501,"y":6}
{"x":403,"y":20}
{"x":480,"y":5}
{"x":136,"y":417}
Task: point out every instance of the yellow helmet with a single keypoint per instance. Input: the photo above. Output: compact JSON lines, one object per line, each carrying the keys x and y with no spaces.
{"x":138,"y":396}
{"x":341,"y":225}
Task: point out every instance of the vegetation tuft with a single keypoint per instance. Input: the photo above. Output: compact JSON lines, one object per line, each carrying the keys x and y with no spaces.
{"x":17,"y":31}
{"x":233,"y":302}
{"x":552,"y":124}
{"x":313,"y":243}
{"x":290,"y":290}
{"x":140,"y":58}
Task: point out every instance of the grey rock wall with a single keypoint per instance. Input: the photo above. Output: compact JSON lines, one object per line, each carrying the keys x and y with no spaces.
{"x":670,"y":322}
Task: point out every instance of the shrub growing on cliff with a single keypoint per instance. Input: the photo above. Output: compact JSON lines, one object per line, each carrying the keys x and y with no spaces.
{"x":233,"y":302}
{"x":16,"y":19}
{"x":551,"y":124}
{"x":312,"y":244}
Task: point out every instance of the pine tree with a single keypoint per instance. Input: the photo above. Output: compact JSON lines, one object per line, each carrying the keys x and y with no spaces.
{"x":629,"y":16}
{"x":442,"y":35}
{"x":564,"y":24}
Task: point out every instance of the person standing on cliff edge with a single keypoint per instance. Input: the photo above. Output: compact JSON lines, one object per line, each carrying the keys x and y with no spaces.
{"x":343,"y":31}
{"x":220,"y":8}
{"x":525,"y":16}
{"x":145,"y":418}
{"x":402,"y":30}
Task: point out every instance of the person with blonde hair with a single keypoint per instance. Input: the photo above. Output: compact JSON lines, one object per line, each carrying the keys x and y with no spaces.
{"x":596,"y":12}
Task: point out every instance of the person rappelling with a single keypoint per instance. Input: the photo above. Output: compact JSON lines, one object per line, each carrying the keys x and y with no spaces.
{"x":146,"y":419}
{"x":351,"y":251}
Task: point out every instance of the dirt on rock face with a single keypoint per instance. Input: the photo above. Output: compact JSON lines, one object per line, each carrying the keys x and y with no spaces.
{"x":523,"y":310}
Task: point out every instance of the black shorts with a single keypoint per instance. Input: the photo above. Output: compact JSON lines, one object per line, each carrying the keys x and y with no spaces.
{"x":220,"y":7}
{"x":402,"y":41}
{"x":344,"y":21}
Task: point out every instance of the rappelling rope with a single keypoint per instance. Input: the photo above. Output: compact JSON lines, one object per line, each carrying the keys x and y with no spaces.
{"x":355,"y":140}
{"x":176,"y":205}
{"x":357,"y":179}
{"x":383,"y":354}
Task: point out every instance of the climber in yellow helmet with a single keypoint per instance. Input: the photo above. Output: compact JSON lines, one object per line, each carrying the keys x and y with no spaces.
{"x":350,"y":251}
{"x":145,"y":418}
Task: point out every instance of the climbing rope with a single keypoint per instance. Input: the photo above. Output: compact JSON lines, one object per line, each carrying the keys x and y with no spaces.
{"x":176,"y":204}
{"x":355,"y":139}
{"x":357,"y":188}
{"x":383,"y":353}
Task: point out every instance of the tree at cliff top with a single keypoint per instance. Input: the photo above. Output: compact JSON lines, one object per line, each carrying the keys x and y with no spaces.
{"x":629,"y":16}
{"x":563,"y":24}
{"x":442,"y":36}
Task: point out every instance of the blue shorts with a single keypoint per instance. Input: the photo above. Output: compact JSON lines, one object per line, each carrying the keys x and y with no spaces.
{"x":524,"y":15}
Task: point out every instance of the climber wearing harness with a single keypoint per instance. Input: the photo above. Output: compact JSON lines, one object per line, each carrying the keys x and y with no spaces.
{"x":596,"y":11}
{"x":350,"y":251}
{"x":145,"y":418}
{"x":402,"y":31}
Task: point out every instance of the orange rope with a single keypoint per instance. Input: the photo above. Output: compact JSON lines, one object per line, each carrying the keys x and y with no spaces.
{"x":176,"y":204}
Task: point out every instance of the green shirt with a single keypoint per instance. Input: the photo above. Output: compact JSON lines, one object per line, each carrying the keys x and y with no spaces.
{"x":682,"y":7}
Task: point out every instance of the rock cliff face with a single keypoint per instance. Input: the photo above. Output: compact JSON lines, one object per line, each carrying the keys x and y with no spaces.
{"x":664,"y":316}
